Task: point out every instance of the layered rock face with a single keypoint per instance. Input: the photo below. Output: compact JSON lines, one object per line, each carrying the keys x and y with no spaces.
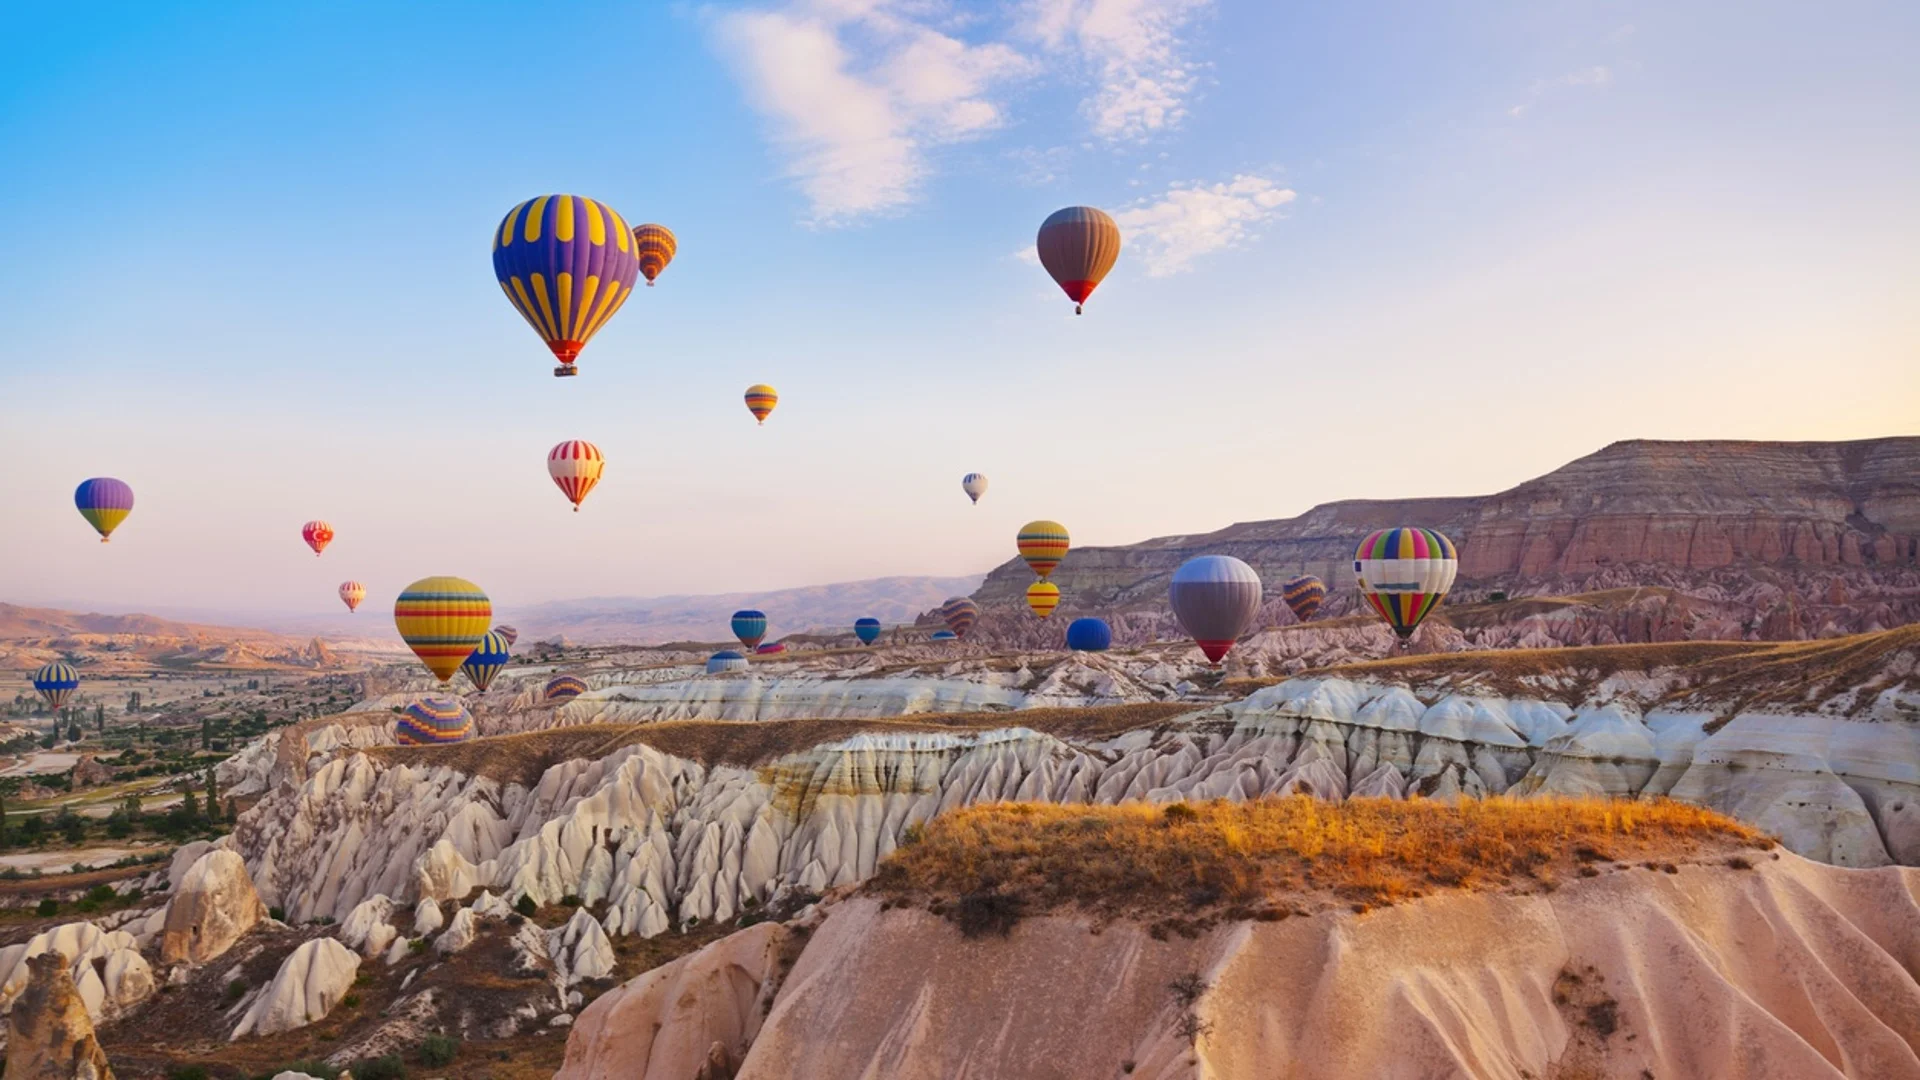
{"x":1820,"y":746}
{"x":1828,"y":525}
{"x":1790,"y":970}
{"x":50,"y":1035}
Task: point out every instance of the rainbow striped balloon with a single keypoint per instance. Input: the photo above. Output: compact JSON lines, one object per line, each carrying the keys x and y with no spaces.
{"x":56,"y":682}
{"x":486,"y":661}
{"x":656,"y":246}
{"x":575,"y":466}
{"x":562,"y":688}
{"x":1043,"y":597}
{"x":434,"y":720}
{"x":761,"y":399}
{"x":1304,"y":595}
{"x":960,"y":614}
{"x":442,"y":619}
{"x":566,"y":263}
{"x":104,"y":502}
{"x":1404,"y":574}
{"x":1043,"y":544}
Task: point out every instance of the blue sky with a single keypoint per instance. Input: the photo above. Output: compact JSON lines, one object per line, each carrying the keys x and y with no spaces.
{"x":1379,"y":250}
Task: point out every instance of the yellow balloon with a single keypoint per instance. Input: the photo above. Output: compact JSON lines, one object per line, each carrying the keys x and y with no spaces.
{"x":1043,"y":597}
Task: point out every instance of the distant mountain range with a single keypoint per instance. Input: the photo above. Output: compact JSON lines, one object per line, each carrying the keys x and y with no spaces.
{"x":653,"y":620}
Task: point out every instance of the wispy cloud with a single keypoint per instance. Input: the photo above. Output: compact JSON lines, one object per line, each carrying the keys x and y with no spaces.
{"x":1142,"y":73}
{"x":857,"y":90}
{"x":1597,"y":75}
{"x":1168,"y":232}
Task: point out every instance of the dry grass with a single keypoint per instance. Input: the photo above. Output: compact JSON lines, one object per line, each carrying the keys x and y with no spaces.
{"x":1274,"y":857}
{"x":522,"y":758}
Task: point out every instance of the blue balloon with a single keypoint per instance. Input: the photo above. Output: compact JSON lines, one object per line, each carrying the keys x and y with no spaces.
{"x":724,"y":661}
{"x":867,"y":630}
{"x":943,"y":635}
{"x":750,"y":626}
{"x":1089,"y":635}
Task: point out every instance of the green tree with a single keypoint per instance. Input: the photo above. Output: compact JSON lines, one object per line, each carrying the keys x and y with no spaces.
{"x":133,"y":702}
{"x":100,"y":718}
{"x":213,"y":795}
{"x":206,"y":731}
{"x":74,"y":734}
{"x":190,"y":805}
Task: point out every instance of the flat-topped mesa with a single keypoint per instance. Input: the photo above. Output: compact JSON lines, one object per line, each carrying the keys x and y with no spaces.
{"x":1637,"y":512}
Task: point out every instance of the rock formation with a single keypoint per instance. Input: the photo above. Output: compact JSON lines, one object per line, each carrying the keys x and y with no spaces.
{"x":308,"y":985}
{"x":1784,"y":971}
{"x":50,"y":1036}
{"x":107,"y":971}
{"x":214,"y":906}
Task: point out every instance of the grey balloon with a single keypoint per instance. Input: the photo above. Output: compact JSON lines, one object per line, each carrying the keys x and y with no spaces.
{"x":1215,"y":598}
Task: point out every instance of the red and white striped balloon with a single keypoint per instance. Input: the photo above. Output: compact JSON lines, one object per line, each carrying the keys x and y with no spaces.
{"x":351,"y":593}
{"x":318,"y":534}
{"x":575,"y":467}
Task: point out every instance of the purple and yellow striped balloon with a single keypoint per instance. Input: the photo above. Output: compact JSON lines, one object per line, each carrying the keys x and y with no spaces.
{"x":104,"y":502}
{"x":566,"y":263}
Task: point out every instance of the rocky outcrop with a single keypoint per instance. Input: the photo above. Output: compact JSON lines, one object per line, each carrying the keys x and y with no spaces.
{"x":214,"y":906}
{"x":50,"y":1035}
{"x":1709,"y":517}
{"x":310,"y":982}
{"x":368,"y":927}
{"x":1785,"y":971}
{"x":106,"y":968}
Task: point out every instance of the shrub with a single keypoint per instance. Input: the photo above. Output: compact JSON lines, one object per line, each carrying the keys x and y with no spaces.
{"x":417,"y":945}
{"x":525,"y":905}
{"x":438,"y":1050}
{"x":380,"y":1068}
{"x":102,"y":894}
{"x":988,"y":911}
{"x":351,"y":1001}
{"x":1179,"y":813}
{"x":48,"y":906}
{"x":236,"y":990}
{"x":570,"y":900}
{"x":277,"y":913}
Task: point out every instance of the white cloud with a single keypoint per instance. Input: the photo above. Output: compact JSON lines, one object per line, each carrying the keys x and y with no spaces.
{"x":857,"y":90}
{"x":1597,"y":75}
{"x":1136,"y":53}
{"x":1172,"y":230}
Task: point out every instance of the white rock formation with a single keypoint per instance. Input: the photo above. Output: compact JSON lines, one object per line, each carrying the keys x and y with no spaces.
{"x":459,"y":934}
{"x":308,"y":985}
{"x":108,"y":971}
{"x":427,"y":917}
{"x":580,"y":949}
{"x":213,"y":907}
{"x":368,"y":928}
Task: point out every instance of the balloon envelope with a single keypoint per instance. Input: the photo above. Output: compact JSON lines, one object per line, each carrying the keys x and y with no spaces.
{"x":442,"y":619}
{"x":655,"y":245}
{"x":351,"y":593}
{"x":726,"y":660}
{"x":575,"y":466}
{"x":566,"y":263}
{"x":562,"y":688}
{"x":486,"y":661}
{"x":433,"y":720}
{"x":511,"y":634}
{"x":771,"y":648}
{"x":943,"y":635}
{"x":1078,"y":245}
{"x":1043,"y":597}
{"x":1304,"y":595}
{"x":1404,"y":574}
{"x":867,"y":630}
{"x":317,"y":534}
{"x":1215,"y":598}
{"x":974,"y":484}
{"x":104,"y":502}
{"x":761,"y":399}
{"x":1089,"y":635}
{"x":56,"y":682}
{"x":960,"y":614}
{"x":1043,"y":544}
{"x":749,"y":626}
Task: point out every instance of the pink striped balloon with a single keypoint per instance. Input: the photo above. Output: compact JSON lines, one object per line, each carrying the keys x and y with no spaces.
{"x":575,"y":467}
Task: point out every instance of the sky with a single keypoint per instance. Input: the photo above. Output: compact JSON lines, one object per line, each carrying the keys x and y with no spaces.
{"x":1371,"y":250}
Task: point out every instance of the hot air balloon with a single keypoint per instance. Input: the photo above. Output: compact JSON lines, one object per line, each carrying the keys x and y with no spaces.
{"x":943,"y":635}
{"x":656,"y":245}
{"x":562,"y":688}
{"x":442,"y":619}
{"x":1089,"y":635}
{"x":761,"y":399}
{"x":317,"y":534}
{"x":575,"y":467}
{"x":1215,"y":598}
{"x":486,"y":661}
{"x":1043,"y":597}
{"x":56,"y":682}
{"x":1304,"y":595}
{"x":1043,"y":544}
{"x":867,"y":630}
{"x":351,"y":593}
{"x":975,"y":485}
{"x":960,"y":614}
{"x":1405,"y":573}
{"x":750,"y":626}
{"x":512,"y":635}
{"x":1078,"y":246}
{"x":726,"y":660}
{"x":566,"y":263}
{"x":771,"y":648}
{"x":434,"y":720}
{"x":104,"y":502}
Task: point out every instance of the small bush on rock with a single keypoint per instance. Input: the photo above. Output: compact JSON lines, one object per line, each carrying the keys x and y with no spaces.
{"x":438,"y":1050}
{"x":526,"y":906}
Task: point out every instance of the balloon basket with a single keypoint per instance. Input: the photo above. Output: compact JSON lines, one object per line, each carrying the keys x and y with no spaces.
{"x":565,"y":370}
